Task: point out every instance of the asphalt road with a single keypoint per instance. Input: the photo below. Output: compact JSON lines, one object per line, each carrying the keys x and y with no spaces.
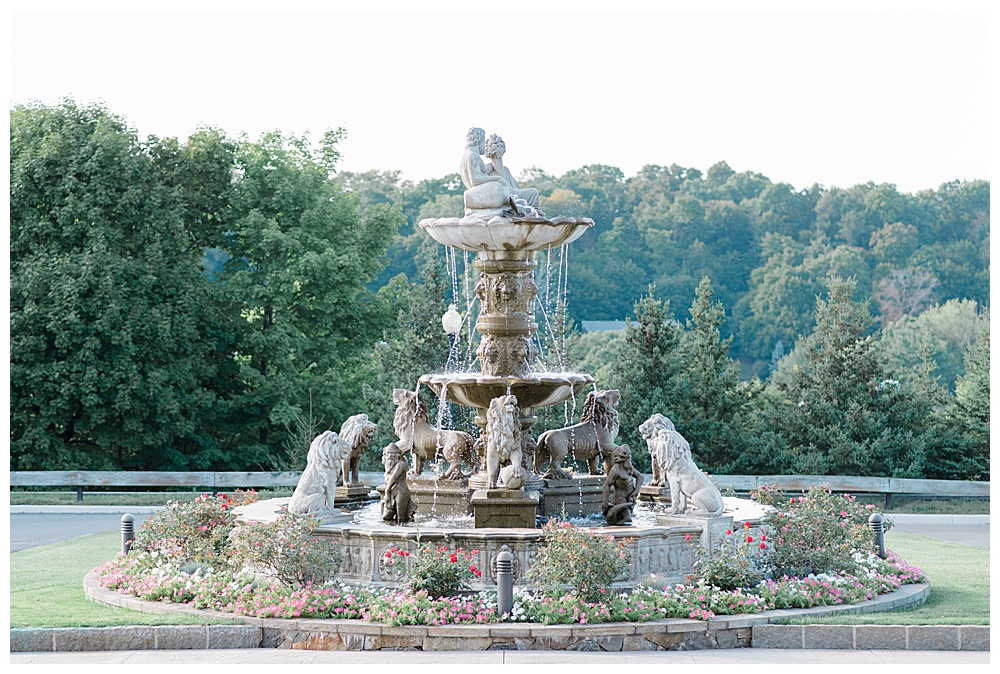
{"x":31,"y":526}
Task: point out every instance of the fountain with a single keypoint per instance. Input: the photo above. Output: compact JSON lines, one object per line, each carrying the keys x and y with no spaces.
{"x":505,"y":493}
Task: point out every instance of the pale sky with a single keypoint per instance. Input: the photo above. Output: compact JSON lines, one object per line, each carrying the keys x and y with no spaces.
{"x":829,"y":97}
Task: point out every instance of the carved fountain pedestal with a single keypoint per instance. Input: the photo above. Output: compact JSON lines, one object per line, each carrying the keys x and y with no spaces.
{"x":506,"y":290}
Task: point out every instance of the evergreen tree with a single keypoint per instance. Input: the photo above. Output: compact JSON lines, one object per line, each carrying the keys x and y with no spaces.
{"x":414,"y":346}
{"x":840,"y":411}
{"x":972,"y":408}
{"x":714,"y":400}
{"x":648,"y":373}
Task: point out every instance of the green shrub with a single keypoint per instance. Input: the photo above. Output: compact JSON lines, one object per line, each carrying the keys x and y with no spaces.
{"x":574,"y":557}
{"x":285,"y":549}
{"x":819,"y":532}
{"x":197,"y":531}
{"x":440,"y":572}
{"x":738,"y":565}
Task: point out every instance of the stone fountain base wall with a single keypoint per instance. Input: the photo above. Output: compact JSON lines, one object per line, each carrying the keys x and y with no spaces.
{"x":666,"y":552}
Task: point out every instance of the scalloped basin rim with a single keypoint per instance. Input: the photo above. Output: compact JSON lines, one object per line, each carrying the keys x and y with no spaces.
{"x":484,"y":222}
{"x":485,"y":380}
{"x":497,"y":234}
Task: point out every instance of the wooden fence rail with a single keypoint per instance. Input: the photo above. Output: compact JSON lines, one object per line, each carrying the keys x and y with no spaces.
{"x":220,"y":481}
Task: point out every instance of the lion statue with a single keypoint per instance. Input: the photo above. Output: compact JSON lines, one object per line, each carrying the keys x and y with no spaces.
{"x":621,"y":487}
{"x":593,"y":437}
{"x":358,"y":432}
{"x":649,"y":430}
{"x":691,"y":492}
{"x":503,"y":443}
{"x":315,"y":490}
{"x":416,"y":434}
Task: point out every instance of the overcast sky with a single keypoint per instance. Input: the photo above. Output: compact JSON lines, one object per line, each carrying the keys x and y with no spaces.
{"x":834,"y":98}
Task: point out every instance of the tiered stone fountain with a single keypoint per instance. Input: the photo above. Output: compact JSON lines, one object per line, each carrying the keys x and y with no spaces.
{"x":503,"y":225}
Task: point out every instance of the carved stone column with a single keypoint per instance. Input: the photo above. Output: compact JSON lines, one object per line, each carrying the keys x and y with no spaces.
{"x":506,"y":291}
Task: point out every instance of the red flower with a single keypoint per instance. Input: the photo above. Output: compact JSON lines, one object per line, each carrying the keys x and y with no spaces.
{"x":729,"y":532}
{"x":453,"y":558}
{"x":389,"y":553}
{"x":746,"y":524}
{"x":688,"y":537}
{"x":749,"y":539}
{"x":763,"y":545}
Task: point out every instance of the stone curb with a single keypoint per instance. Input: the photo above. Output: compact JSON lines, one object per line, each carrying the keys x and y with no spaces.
{"x":742,"y":631}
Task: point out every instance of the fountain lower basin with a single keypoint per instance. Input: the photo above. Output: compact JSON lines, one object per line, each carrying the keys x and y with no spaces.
{"x":662,"y":546}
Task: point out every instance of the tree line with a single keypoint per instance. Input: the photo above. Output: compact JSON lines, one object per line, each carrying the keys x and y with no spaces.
{"x":211,"y":303}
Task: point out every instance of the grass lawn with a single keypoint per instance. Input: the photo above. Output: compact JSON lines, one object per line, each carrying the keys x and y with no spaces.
{"x":960,"y":585}
{"x":46,"y":586}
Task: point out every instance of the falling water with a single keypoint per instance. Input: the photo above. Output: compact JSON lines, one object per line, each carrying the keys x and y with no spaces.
{"x":555,"y":346}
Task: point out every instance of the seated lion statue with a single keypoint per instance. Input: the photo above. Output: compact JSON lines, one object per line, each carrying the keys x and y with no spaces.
{"x":315,"y":490}
{"x":357,"y":432}
{"x":593,"y":437}
{"x":691,"y":492}
{"x":503,"y":443}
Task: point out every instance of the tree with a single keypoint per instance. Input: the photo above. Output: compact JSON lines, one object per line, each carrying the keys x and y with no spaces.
{"x":300,"y":252}
{"x":972,"y":411}
{"x":841,"y":412}
{"x":414,"y":345}
{"x":648,"y":372}
{"x":119,"y":359}
{"x":947,"y":329}
{"x":904,"y":292}
{"x":716,"y":401}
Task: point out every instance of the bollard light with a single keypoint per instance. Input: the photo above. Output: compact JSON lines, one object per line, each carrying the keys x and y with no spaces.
{"x":505,"y":583}
{"x":875,"y":523}
{"x":128,"y":533}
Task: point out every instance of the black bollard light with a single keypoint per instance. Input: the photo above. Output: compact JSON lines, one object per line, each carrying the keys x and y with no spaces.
{"x":875,"y":523}
{"x":505,"y":583}
{"x":128,"y":533}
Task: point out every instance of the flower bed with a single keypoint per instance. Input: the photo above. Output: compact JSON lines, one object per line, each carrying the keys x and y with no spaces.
{"x":241,"y":576}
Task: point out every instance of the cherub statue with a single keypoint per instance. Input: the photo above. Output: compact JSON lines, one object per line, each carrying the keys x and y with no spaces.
{"x":492,"y":189}
{"x":621,"y":487}
{"x":397,"y":505}
{"x":525,"y":199}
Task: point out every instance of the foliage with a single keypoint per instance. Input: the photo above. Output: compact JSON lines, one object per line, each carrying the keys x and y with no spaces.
{"x":841,"y":412}
{"x":285,"y":549}
{"x":119,"y":359}
{"x":647,"y":372}
{"x":586,"y":562}
{"x":437,"y":572}
{"x":196,"y":531}
{"x":300,"y":252}
{"x":415,"y":344}
{"x":422,"y":608}
{"x":819,"y":532}
{"x":972,"y":411}
{"x":945,"y":330}
{"x":737,"y":565}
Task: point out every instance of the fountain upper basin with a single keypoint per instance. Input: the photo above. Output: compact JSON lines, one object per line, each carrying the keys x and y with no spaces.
{"x":505,"y":234}
{"x":536,"y":390}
